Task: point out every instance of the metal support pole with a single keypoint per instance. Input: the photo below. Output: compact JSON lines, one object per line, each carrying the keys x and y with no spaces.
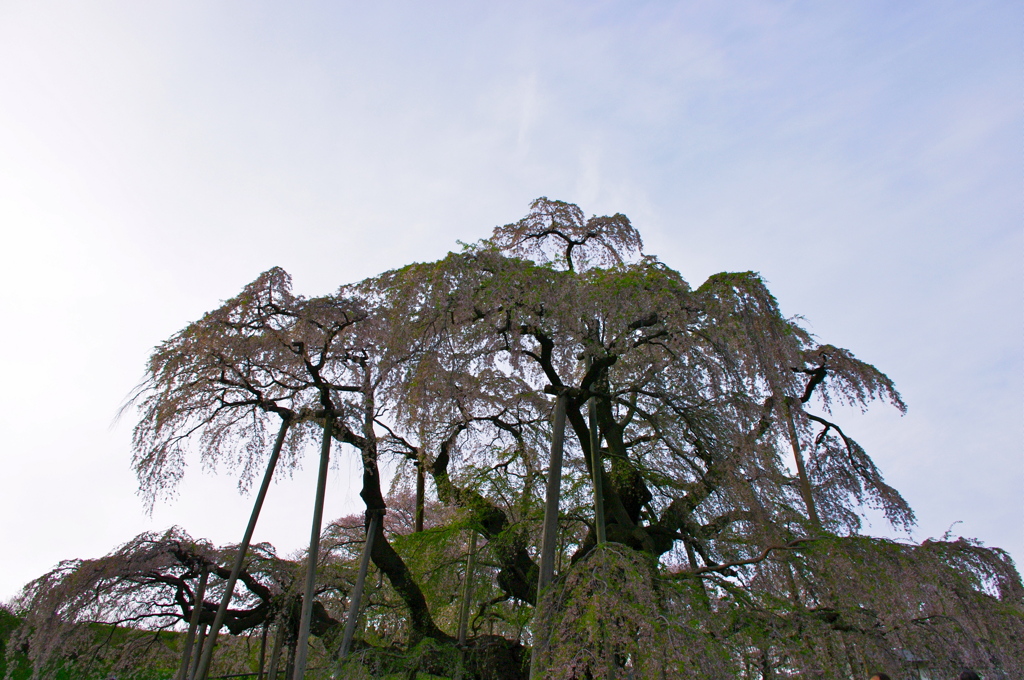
{"x":193,"y":624}
{"x":467,"y":589}
{"x":549,"y":540}
{"x":263,"y":651}
{"x":275,"y":653}
{"x":211,"y":639}
{"x":553,"y":495}
{"x":355,"y":599}
{"x":199,"y":646}
{"x":597,"y":469}
{"x":302,"y":644}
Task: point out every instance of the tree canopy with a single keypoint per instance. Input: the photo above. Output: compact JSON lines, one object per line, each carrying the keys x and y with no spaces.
{"x":732,"y":498}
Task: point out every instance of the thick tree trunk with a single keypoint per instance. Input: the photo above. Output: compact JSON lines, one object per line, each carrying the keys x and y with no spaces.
{"x":630,"y":486}
{"x":615,"y":510}
{"x":420,"y":489}
{"x":302,"y":643}
{"x":517,"y":576}
{"x":243,"y":548}
{"x":393,"y":566}
{"x":383,"y":555}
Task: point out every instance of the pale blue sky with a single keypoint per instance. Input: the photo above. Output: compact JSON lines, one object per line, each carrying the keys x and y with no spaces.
{"x":154,"y":157}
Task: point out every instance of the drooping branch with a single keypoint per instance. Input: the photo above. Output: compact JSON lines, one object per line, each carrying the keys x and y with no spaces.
{"x":726,"y":567}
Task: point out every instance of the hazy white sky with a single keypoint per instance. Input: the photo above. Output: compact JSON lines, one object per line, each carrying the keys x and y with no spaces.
{"x":865,"y":157}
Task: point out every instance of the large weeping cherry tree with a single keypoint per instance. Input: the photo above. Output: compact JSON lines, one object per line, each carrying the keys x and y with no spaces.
{"x":707,"y":514}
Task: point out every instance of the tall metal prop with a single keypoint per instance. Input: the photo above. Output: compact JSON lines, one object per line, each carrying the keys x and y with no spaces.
{"x":467,"y":596}
{"x":548,"y":542}
{"x":275,"y":653}
{"x":302,"y":644}
{"x":355,"y":600}
{"x":597,"y":469}
{"x":211,"y":638}
{"x":467,"y":590}
{"x":197,"y":652}
{"x":193,"y":624}
{"x":263,"y":651}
